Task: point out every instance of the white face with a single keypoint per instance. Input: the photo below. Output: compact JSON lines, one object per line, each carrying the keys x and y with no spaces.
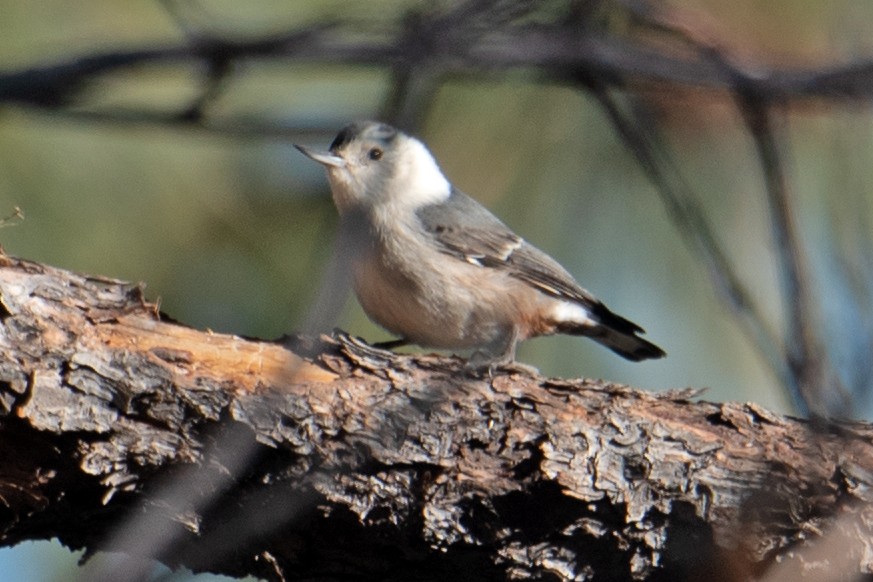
{"x":373,"y":165}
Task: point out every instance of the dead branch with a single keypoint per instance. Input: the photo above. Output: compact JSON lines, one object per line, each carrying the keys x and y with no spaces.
{"x":329,"y":459}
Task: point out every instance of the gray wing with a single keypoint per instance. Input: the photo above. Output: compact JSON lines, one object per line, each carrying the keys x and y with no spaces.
{"x":463,"y":228}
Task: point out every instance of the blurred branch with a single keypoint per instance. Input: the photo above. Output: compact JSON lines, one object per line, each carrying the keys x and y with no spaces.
{"x":553,"y":49}
{"x":329,"y":459}
{"x":804,"y":366}
{"x":240,"y":128}
{"x":811,"y":380}
{"x":640,"y":136}
{"x":807,"y":359}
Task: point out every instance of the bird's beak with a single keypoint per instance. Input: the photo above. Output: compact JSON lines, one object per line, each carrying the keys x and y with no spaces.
{"x":324,"y":158}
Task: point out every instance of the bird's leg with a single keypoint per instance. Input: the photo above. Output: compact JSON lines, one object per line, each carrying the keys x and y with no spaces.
{"x":499,"y":352}
{"x":488,"y":360}
{"x":391,"y":344}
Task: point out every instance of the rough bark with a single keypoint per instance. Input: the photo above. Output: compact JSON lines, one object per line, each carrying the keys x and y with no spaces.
{"x":323,"y":458}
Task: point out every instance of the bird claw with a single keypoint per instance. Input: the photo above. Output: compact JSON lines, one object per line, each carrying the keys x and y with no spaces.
{"x":519,"y":368}
{"x":479,"y":366}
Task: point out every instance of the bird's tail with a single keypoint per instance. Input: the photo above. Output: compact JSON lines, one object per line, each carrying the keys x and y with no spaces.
{"x":616,"y":333}
{"x":629,"y":346}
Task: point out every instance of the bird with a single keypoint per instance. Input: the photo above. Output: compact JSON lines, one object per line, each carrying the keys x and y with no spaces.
{"x":437,"y":269}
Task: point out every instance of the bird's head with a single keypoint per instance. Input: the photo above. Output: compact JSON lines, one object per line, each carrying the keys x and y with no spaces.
{"x":371,"y":164}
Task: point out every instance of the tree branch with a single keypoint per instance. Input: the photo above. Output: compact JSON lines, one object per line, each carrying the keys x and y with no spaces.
{"x":558,"y":50}
{"x":329,"y":459}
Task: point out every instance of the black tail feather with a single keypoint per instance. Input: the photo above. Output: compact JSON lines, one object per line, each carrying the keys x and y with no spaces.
{"x":632,"y":347}
{"x":616,"y":333}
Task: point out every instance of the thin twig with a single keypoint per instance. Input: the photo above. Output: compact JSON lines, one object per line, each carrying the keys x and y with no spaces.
{"x":235,"y":127}
{"x":803,"y":354}
{"x":810,"y":374}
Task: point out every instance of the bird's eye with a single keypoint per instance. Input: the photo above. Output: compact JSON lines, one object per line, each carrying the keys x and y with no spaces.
{"x":375,"y":154}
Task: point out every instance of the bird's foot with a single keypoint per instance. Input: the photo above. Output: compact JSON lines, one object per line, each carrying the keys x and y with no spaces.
{"x":482,"y":364}
{"x":519,"y":368}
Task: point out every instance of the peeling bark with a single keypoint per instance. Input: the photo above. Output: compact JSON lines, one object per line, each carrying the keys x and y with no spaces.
{"x":324,"y":458}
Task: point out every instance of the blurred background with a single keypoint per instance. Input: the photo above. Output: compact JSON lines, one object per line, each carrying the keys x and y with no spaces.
{"x":231,"y":228}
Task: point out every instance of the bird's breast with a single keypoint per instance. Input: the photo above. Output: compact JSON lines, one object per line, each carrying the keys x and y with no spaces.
{"x":431,"y":299}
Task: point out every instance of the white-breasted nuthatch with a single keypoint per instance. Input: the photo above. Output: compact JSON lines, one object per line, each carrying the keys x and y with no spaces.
{"x":439,"y":270}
